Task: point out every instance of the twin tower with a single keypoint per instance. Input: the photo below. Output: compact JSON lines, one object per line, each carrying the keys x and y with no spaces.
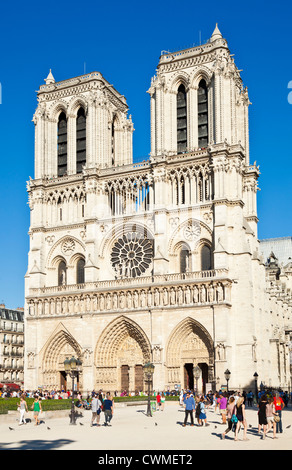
{"x":197,"y":99}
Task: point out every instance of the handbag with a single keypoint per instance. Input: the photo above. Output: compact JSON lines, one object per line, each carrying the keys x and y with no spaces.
{"x":234,"y":419}
{"x":277,"y":418}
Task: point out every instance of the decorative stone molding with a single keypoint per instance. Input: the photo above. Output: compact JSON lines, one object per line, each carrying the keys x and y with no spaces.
{"x":186,"y":294}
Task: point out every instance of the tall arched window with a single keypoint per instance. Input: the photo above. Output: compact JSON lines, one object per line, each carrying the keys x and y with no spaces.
{"x":206,"y":258}
{"x":62,"y":274}
{"x":113,"y":139}
{"x":62,"y":144}
{"x":80,"y":278}
{"x":182,"y":191}
{"x":80,"y":140}
{"x":181,"y":107}
{"x":202,"y":114}
{"x":184,"y":259}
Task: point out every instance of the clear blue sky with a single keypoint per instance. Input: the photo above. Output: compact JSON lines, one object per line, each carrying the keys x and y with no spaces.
{"x":123,"y":41}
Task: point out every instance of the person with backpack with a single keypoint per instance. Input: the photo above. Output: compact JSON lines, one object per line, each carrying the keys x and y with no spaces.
{"x":95,"y":409}
{"x":230,"y":412}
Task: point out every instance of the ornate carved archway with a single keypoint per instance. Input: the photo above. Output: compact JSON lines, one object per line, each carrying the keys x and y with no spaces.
{"x":122,"y":344}
{"x":60,"y":346}
{"x":189,"y":344}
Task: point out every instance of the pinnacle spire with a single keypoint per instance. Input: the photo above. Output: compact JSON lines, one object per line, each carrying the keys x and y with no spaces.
{"x":50,"y":79}
{"x":216,"y":33}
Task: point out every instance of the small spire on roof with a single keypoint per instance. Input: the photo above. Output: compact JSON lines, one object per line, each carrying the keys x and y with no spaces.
{"x":216,"y":34}
{"x":50,"y":78}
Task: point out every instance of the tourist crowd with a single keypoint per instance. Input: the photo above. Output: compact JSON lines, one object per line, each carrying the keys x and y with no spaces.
{"x":232,"y":406}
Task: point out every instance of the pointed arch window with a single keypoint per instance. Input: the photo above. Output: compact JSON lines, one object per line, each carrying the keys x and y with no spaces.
{"x":114,"y":139}
{"x":62,"y":274}
{"x":206,"y":258}
{"x":62,"y":145}
{"x":184,"y":259}
{"x":80,"y":140}
{"x":80,"y":278}
{"x":181,"y":107}
{"x":202,"y":114}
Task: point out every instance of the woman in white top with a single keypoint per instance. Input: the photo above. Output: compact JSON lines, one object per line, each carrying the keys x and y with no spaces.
{"x":22,"y":406}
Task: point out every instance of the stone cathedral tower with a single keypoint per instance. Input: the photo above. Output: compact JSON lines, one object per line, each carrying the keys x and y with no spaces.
{"x":158,"y":260}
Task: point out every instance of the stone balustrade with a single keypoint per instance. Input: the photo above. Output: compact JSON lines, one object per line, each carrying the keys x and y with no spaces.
{"x":175,"y":290}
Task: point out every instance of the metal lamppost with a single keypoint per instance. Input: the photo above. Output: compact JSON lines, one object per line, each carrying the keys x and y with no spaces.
{"x":255,"y":375}
{"x":227,"y":374}
{"x":149,"y":371}
{"x":72,"y":368}
{"x":197,"y":374}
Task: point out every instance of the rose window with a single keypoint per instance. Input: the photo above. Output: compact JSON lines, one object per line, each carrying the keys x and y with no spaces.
{"x":192,"y":231}
{"x":132,"y":255}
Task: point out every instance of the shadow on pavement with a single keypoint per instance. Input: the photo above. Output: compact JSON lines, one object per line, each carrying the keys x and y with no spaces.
{"x":39,"y":444}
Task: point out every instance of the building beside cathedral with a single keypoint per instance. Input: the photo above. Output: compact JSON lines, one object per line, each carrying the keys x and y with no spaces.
{"x":153,"y":261}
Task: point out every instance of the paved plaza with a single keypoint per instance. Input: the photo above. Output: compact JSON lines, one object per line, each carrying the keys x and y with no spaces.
{"x":132,"y":430}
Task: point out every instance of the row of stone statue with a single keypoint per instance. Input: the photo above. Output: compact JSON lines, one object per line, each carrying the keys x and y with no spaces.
{"x":155,"y":297}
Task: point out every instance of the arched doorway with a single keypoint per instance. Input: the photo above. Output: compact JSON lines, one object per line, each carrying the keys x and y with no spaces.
{"x":121,"y":352}
{"x":61,"y":345}
{"x":190,"y":345}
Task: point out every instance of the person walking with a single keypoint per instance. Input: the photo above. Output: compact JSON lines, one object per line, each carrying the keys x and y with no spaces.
{"x":158,"y":401}
{"x":95,"y":409}
{"x":271,"y":413}
{"x":262,"y":416}
{"x":202,"y":415}
{"x":222,"y":407}
{"x":218,"y":399}
{"x":198,"y":409}
{"x":279,"y":405}
{"x":249,"y":398}
{"x":22,"y":406}
{"x":108,"y":408}
{"x":162,"y":401}
{"x":230,"y":411}
{"x":181,"y":398}
{"x":240,"y":413}
{"x":190,"y":405}
{"x":37,"y":409}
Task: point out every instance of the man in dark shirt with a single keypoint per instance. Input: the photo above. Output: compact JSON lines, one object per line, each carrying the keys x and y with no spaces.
{"x":108,"y":408}
{"x":190,"y":405}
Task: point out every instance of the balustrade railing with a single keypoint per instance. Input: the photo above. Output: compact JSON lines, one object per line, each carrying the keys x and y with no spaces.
{"x":131,"y":282}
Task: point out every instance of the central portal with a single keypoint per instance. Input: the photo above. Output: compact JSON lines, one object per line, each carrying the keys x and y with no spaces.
{"x":126,"y":379}
{"x":122,"y":350}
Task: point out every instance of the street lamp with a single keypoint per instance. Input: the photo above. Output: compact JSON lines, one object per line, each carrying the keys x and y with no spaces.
{"x":149,"y":371}
{"x":72,"y":368}
{"x":227,"y":374}
{"x":197,"y":374}
{"x":255,"y":375}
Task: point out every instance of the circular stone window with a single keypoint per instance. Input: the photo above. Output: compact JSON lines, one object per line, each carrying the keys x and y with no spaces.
{"x":132,"y":255}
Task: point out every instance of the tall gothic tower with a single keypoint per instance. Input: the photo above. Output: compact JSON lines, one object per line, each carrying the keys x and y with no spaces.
{"x":80,"y":123}
{"x":198,"y":99}
{"x":157,"y":260}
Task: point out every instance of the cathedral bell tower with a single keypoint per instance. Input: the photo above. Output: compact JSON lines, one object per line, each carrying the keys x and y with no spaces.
{"x":197,"y":99}
{"x":80,"y":123}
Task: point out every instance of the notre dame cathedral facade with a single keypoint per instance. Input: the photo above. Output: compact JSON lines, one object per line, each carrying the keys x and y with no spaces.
{"x":154,"y":261}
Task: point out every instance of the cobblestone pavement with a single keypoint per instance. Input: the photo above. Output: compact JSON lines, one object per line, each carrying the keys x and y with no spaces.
{"x":132,"y":430}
